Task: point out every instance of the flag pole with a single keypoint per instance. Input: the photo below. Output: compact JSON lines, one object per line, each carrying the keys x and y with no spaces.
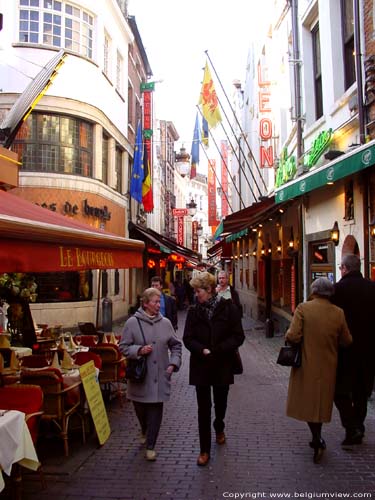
{"x":238,"y":123}
{"x":222,"y":158}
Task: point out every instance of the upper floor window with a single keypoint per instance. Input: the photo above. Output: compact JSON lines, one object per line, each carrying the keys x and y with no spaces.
{"x":348,"y":41}
{"x":317,"y":72}
{"x":106,"y":54}
{"x":119,"y":71}
{"x":60,"y":24}
{"x":118,"y":166}
{"x":55,"y":143}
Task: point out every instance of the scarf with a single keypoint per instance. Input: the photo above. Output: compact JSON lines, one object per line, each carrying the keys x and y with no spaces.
{"x":208,"y":308}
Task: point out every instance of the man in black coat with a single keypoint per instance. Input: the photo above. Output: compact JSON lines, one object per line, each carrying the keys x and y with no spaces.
{"x":355,"y":370}
{"x":168,"y":306}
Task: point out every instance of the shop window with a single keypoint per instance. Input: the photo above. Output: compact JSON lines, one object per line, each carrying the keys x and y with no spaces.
{"x":317,"y":72}
{"x":104,"y":284}
{"x":58,"y":24}
{"x":349,"y":201}
{"x":117,"y":282}
{"x":55,"y":143}
{"x":64,"y":287}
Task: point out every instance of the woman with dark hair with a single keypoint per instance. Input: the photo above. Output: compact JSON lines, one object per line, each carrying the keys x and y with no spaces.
{"x":321,"y":327}
{"x":213,"y":332}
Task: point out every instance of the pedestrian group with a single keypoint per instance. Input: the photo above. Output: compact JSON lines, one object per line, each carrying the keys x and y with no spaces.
{"x":333,"y":328}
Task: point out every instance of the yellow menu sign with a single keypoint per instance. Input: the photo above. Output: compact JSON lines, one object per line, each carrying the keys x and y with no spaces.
{"x":95,"y":401}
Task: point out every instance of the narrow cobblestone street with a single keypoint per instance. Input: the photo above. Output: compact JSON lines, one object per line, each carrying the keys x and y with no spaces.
{"x":266,"y":453}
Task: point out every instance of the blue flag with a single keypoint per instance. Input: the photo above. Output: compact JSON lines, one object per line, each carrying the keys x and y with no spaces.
{"x":205,"y":132}
{"x":137,"y":171}
{"x":195,"y":150}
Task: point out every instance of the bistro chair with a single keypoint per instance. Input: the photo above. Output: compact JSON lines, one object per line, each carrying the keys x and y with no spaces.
{"x":82,"y":357}
{"x":87,"y":328}
{"x":60,"y":402}
{"x":112,"y":372}
{"x":29,"y":400}
{"x":34,"y":361}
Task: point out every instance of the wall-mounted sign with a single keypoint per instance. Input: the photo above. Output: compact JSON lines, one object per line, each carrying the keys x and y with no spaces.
{"x":179,"y":212}
{"x":287,"y":168}
{"x":265,"y":123}
{"x":318,"y":147}
{"x":68,"y":208}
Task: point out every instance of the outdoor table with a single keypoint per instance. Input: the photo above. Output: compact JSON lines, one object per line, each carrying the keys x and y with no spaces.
{"x":16,"y":444}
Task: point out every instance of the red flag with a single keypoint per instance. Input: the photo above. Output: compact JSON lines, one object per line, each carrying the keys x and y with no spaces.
{"x":147,"y":196}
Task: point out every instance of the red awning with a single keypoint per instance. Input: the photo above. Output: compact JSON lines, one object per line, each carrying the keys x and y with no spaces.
{"x":34,"y":239}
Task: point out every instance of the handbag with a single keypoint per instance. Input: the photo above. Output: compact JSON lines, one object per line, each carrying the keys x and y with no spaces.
{"x":237,"y":367}
{"x":136,"y":369}
{"x":290,"y":355}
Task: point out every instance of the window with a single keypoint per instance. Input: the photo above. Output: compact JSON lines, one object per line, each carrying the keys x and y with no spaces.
{"x":118,"y":170}
{"x":117,"y":282}
{"x":64,"y":287}
{"x":105,"y":159}
{"x":60,"y":24}
{"x":106,"y":54}
{"x":54,"y":143}
{"x":348,"y":41}
{"x":317,"y":72}
{"x":119,"y":68}
{"x":131,"y":120}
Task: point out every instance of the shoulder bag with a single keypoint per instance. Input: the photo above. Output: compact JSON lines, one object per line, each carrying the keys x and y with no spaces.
{"x":136,"y":369}
{"x":237,"y":367}
{"x":290,"y":355}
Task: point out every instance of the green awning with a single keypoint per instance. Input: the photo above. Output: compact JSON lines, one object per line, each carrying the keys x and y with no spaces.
{"x":219,"y":230}
{"x":355,"y":161}
{"x":235,"y":236}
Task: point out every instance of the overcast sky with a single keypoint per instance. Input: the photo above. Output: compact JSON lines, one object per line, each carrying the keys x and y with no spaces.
{"x":175,"y":34}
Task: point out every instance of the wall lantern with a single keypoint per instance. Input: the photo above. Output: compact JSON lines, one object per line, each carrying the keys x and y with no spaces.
{"x":199,"y":230}
{"x":291,"y":240}
{"x":192,"y":207}
{"x":372,"y":228}
{"x":269,"y":248}
{"x":279,"y":247}
{"x":254,"y":252}
{"x":335,"y":233}
{"x":263,"y":250}
{"x":246,"y":254}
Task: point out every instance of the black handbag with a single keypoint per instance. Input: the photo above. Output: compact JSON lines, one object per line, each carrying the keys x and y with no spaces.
{"x":290,"y":355}
{"x":237,"y":367}
{"x":136,"y":369}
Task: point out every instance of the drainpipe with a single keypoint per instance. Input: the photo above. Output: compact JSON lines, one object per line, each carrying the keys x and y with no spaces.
{"x":358,"y":71}
{"x":297,"y":80}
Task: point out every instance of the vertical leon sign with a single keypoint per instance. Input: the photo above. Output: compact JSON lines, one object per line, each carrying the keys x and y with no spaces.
{"x":95,"y":401}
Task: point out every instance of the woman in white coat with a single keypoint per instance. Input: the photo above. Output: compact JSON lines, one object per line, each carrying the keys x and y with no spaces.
{"x":163,"y":351}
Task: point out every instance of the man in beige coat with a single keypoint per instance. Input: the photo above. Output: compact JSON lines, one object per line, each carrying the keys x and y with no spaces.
{"x":321,"y":327}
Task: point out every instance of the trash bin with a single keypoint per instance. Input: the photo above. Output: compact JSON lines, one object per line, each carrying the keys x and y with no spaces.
{"x":269,"y":328}
{"x":107,"y":315}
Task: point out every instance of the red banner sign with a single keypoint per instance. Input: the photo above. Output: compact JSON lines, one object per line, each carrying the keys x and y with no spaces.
{"x":224,"y":178}
{"x":194,"y":236}
{"x":180,"y":231}
{"x":211,"y":181}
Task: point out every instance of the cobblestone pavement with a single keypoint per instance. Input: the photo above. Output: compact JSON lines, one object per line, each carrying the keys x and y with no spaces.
{"x":266,"y":453}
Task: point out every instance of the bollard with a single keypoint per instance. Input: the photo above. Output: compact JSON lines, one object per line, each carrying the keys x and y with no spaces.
{"x":269,"y":328}
{"x":106,"y":314}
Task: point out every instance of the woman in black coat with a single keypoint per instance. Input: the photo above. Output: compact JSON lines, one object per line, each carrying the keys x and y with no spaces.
{"x":213,"y":332}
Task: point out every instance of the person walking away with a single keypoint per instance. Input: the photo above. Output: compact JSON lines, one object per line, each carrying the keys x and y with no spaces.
{"x":356,"y":366}
{"x":149,"y":396}
{"x":213,"y":332}
{"x":168,"y":306}
{"x":227,"y":291}
{"x":321,"y":327}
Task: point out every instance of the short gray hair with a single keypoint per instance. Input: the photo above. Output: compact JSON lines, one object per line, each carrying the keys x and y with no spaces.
{"x":322,"y":287}
{"x":351,"y":262}
{"x":149,"y":293}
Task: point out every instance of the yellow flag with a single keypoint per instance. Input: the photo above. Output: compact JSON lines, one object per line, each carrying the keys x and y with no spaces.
{"x":208,"y":100}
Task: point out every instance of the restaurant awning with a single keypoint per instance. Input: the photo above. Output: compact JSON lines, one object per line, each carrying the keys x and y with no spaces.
{"x":238,"y":221}
{"x":34,"y":239}
{"x":350,"y":163}
{"x":166,"y":245}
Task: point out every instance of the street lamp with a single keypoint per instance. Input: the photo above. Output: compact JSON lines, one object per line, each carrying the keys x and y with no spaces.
{"x":192,"y":207}
{"x":199,"y":230}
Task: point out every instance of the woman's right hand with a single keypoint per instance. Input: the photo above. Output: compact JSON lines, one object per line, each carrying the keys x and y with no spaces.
{"x":145,"y":350}
{"x":206,"y":352}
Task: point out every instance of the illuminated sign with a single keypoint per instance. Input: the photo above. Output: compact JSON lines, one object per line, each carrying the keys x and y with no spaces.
{"x":287,"y":168}
{"x":265,"y":123}
{"x":318,"y":147}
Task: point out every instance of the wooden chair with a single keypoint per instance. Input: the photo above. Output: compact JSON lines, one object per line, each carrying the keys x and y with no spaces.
{"x":60,"y":402}
{"x":113,"y":368}
{"x":82,"y":357}
{"x":29,"y":400}
{"x":87,"y":328}
{"x":34,"y":361}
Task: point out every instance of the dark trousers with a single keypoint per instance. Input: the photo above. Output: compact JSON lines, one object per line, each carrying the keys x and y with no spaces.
{"x":220,"y":393}
{"x":149,"y":416}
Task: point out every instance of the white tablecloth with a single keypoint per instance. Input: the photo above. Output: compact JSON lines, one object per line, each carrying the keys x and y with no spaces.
{"x":16,"y":445}
{"x":22,"y":351}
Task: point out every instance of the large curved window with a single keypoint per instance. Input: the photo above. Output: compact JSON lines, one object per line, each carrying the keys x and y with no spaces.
{"x":60,"y":24}
{"x":54,"y":143}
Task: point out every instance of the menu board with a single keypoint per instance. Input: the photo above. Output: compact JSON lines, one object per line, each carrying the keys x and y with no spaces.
{"x":95,"y":401}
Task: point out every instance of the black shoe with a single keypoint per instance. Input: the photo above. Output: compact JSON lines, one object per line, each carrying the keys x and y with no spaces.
{"x":353,"y":438}
{"x":319,"y":447}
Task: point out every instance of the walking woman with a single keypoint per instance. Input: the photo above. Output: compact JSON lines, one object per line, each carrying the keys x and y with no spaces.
{"x":148,"y":396}
{"x":321,"y":327}
{"x":213,"y":332}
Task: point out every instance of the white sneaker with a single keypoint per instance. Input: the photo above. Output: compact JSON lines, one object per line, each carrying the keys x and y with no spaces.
{"x":142,"y":438}
{"x":150,"y":455}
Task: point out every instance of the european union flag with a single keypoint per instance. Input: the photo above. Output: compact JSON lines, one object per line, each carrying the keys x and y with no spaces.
{"x":137,"y":171}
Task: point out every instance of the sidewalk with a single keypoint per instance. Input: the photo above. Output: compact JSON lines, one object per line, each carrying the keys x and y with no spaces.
{"x":266,"y":453}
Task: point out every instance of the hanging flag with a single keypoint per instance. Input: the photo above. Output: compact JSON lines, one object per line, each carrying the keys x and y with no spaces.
{"x":205,"y":132}
{"x":137,"y":171}
{"x":195,"y":150}
{"x":147,"y":196}
{"x":208,"y":99}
